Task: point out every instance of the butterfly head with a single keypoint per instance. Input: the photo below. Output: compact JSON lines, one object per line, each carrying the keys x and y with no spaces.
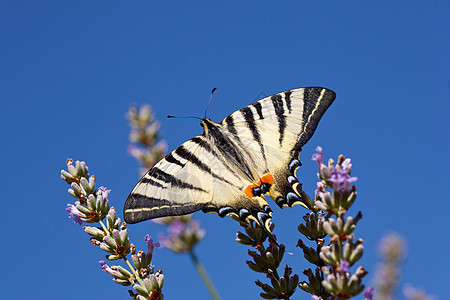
{"x":207,"y":125}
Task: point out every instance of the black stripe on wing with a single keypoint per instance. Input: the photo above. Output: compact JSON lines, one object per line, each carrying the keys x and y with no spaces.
{"x":277,"y":103}
{"x":205,"y":145}
{"x":287,"y":99}
{"x":316,"y":101}
{"x":258,"y":107}
{"x":250,"y":121}
{"x":141,"y":207}
{"x":189,"y":156}
{"x":158,"y":174}
{"x":230,"y":126}
{"x":152,"y":182}
{"x":170,"y":158}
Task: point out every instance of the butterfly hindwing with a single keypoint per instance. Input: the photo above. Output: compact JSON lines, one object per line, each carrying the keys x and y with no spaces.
{"x":228,"y":169}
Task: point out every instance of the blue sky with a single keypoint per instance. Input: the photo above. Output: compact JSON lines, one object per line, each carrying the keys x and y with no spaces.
{"x":70,"y":70}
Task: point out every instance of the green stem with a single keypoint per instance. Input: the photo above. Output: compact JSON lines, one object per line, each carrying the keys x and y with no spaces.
{"x":138,"y":278}
{"x":104,"y":228}
{"x":204,"y":276}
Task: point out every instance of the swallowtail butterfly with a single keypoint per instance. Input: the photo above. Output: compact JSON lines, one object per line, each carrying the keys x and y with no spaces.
{"x":231,"y":166}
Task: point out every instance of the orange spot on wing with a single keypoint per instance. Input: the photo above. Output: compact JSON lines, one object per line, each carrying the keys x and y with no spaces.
{"x":268,"y":178}
{"x":249,"y":190}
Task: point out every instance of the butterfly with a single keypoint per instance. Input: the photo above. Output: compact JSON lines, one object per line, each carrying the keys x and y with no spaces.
{"x":229,"y":168}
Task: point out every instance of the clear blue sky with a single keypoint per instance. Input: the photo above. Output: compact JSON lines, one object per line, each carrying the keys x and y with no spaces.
{"x":69,"y":71}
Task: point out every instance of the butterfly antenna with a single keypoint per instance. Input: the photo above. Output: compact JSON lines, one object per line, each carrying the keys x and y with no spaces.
{"x":209,"y":100}
{"x":175,"y":117}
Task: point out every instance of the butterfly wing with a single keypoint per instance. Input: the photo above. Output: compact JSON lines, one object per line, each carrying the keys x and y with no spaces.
{"x":193,"y":177}
{"x":266,"y":137}
{"x":172,"y":187}
{"x":274,"y":130}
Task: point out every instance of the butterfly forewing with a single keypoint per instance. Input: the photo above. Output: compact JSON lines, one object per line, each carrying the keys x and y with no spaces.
{"x":173,"y":186}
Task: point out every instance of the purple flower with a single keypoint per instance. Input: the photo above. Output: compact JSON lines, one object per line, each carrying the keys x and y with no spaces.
{"x":150,"y":246}
{"x":104,"y":192}
{"x":346,"y":164}
{"x":176,"y":228}
{"x":321,"y":216}
{"x":74,"y":212}
{"x":135,"y":151}
{"x":368,"y":293}
{"x":164,"y":240}
{"x":106,"y":268}
{"x":318,"y":157}
{"x":343,"y":266}
{"x":338,"y":177}
{"x":103,"y":264}
{"x":320,"y":189}
{"x":131,"y":148}
{"x":393,"y":247}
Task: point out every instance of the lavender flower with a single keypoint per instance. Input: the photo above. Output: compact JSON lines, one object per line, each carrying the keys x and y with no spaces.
{"x":74,"y":212}
{"x":183,"y":236}
{"x":267,"y":260}
{"x":368,"y":293}
{"x":150,"y":244}
{"x":144,"y":136}
{"x":344,"y":266}
{"x":339,"y":177}
{"x":104,"y":192}
{"x":112,"y":237}
{"x":412,"y":293}
{"x":105,"y":267}
{"x":318,"y":157}
{"x":332,"y":261}
{"x":75,"y":172}
{"x":393,"y":250}
{"x":147,"y":148}
{"x":176,"y":228}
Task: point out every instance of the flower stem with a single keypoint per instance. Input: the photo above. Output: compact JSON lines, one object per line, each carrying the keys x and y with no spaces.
{"x":104,"y":228}
{"x":138,"y":278}
{"x":204,"y":276}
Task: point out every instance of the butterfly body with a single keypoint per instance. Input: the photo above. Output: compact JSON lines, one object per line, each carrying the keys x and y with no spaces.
{"x":231,"y":166}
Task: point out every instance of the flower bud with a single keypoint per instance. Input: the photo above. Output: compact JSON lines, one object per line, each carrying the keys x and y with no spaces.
{"x":112,"y":222}
{"x":270,"y":293}
{"x":141,"y":290}
{"x":87,"y":186}
{"x":109,"y":244}
{"x":94,"y":231}
{"x":306,"y":199}
{"x":76,"y":191}
{"x":243,"y":239}
{"x":256,"y":267}
{"x":313,"y":287}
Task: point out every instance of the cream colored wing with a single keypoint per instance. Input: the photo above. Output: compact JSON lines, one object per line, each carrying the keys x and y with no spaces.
{"x":193,"y":177}
{"x":272,"y":132}
{"x":228,"y":169}
{"x":172,"y":187}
